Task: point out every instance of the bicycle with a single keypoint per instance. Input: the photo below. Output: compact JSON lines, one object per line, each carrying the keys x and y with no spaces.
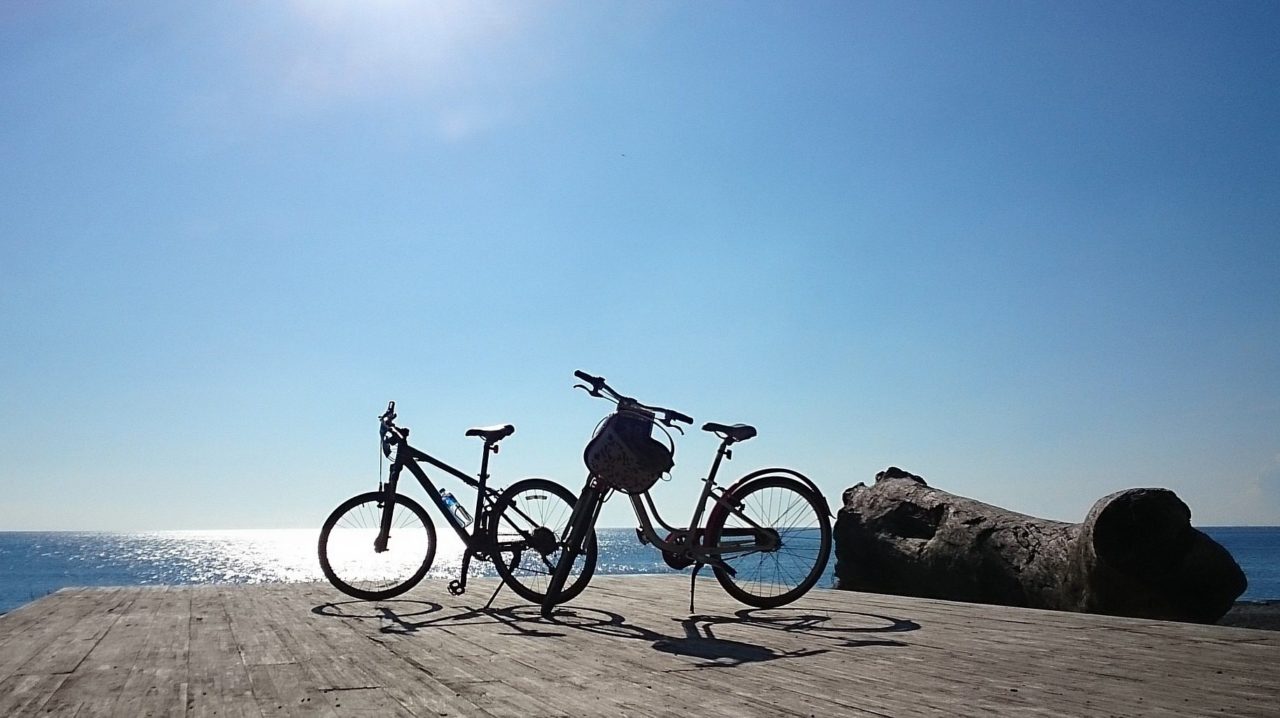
{"x":379,"y":544}
{"x":767,"y":537}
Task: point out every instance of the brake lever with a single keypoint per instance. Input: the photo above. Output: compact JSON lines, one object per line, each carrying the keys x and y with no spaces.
{"x":666,"y":421}
{"x":593,"y":392}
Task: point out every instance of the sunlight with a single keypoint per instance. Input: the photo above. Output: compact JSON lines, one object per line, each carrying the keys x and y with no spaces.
{"x":288,"y":555}
{"x":357,"y":49}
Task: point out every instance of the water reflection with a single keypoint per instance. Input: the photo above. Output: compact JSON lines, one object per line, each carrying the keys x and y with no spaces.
{"x":35,"y":564}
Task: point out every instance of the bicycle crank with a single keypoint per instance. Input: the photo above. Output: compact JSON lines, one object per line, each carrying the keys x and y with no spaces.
{"x":678,"y":561}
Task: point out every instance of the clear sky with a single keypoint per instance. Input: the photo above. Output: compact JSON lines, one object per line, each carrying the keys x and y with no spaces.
{"x":1030,"y":251}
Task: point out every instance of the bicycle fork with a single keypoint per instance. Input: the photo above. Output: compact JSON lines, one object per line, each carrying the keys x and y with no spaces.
{"x":581,"y":521}
{"x":387,"y":505}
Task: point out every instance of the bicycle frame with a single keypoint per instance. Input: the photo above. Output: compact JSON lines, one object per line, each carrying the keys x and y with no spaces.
{"x":379,"y":544}
{"x":484,"y":495}
{"x":764,"y":584}
{"x":686,"y":541}
{"x":479,"y":541}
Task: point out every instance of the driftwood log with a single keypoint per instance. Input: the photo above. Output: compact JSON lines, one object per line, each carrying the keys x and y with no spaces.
{"x":1135,"y":554}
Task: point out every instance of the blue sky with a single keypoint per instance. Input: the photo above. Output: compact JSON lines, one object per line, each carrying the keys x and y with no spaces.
{"x":1028,"y":250}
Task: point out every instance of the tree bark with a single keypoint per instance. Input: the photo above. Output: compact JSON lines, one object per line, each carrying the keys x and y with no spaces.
{"x":1135,"y":554}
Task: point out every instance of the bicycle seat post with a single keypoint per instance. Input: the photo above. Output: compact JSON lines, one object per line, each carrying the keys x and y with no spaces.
{"x":489,"y":446}
{"x":491,"y":435}
{"x":724,"y":448}
{"x":722,"y":454}
{"x":459,"y":586}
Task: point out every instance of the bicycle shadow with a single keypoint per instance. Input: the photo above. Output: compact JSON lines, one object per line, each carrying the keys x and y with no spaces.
{"x":697,"y":639}
{"x":373,"y":610}
{"x":818,"y":624}
{"x":392,"y":618}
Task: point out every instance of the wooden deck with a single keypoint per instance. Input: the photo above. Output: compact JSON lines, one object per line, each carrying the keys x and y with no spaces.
{"x":627,"y":647}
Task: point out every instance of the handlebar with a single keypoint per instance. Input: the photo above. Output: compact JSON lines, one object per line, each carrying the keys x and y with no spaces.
{"x":601,"y":389}
{"x":677,"y":416}
{"x":593,"y":380}
{"x":390,"y":433}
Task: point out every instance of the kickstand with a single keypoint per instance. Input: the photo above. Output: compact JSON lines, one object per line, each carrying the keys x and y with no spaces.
{"x":489,"y":603}
{"x":693,"y":583}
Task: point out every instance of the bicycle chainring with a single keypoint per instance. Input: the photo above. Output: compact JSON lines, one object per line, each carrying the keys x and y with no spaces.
{"x":675,"y":560}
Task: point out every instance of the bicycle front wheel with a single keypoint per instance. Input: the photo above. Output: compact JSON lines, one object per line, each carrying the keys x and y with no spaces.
{"x":350,"y":560}
{"x":786,"y":537}
{"x":529,"y":520}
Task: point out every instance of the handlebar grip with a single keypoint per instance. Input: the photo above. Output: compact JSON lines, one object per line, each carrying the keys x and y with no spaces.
{"x":593,"y":380}
{"x":677,"y":416}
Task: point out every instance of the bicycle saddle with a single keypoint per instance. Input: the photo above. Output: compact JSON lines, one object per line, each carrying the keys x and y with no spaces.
{"x":492,"y":434}
{"x":737,"y":432}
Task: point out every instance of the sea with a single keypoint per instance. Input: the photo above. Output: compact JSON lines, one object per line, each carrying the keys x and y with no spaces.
{"x":35,"y":564}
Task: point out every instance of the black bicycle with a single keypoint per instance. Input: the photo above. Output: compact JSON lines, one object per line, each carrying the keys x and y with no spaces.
{"x":379,"y":544}
{"x":767,"y":537}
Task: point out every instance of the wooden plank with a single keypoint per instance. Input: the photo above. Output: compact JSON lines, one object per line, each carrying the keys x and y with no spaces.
{"x":96,"y":682}
{"x":608,"y":680}
{"x":28,"y":620}
{"x":282,"y":689}
{"x":67,"y":629}
{"x":951,"y":680}
{"x":157,"y":681}
{"x":218,"y":682}
{"x":27,"y":694}
{"x":705,"y":643}
{"x":340,"y":660}
{"x":627,"y":647}
{"x":256,"y":637}
{"x":1059,"y":652}
{"x":87,"y":693}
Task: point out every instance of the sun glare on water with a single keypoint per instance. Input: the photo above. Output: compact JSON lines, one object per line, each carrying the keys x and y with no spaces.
{"x":255,"y":556}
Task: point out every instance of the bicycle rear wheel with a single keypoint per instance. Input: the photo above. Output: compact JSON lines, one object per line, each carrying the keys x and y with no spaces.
{"x":768,"y":577}
{"x":347,"y":555}
{"x":528,"y":520}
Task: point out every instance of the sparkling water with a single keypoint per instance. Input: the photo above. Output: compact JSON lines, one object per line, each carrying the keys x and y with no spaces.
{"x":34,"y":564}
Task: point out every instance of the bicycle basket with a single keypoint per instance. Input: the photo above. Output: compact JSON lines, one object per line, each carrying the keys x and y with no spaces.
{"x":624,"y":454}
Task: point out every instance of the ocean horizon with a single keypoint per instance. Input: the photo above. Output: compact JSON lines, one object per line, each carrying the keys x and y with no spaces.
{"x":34,"y":564}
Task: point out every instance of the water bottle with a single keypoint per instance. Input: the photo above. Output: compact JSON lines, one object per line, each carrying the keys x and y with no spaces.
{"x":459,"y":512}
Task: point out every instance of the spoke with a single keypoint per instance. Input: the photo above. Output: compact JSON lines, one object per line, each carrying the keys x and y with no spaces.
{"x":797,"y":523}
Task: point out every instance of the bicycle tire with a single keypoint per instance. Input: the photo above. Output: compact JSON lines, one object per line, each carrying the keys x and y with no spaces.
{"x":526,"y":524}
{"x":768,"y":579}
{"x":579,"y":530}
{"x":347,"y":556}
